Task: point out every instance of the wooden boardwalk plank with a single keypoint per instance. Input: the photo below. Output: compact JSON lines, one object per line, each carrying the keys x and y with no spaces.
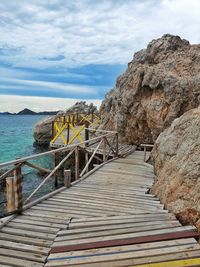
{"x":188,"y":255}
{"x":58,"y":261}
{"x":128,"y":248}
{"x":108,"y":219}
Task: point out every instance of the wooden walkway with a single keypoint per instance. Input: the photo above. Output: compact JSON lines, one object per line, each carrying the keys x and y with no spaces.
{"x":107,"y":219}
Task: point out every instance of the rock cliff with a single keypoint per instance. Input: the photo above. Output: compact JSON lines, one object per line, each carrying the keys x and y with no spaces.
{"x":43,"y":129}
{"x":160,"y":84}
{"x":177,"y":165}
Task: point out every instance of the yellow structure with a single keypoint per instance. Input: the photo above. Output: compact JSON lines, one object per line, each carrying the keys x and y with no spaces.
{"x":69,"y":127}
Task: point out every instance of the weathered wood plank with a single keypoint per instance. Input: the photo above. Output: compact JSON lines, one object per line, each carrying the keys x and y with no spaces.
{"x":23,"y":240}
{"x":23,"y":255}
{"x":121,"y":228}
{"x":121,"y":256}
{"x":131,"y":238}
{"x":19,"y":245}
{"x":28,"y":233}
{"x":35,"y":228}
{"x":19,"y":262}
{"x":129,"y":248}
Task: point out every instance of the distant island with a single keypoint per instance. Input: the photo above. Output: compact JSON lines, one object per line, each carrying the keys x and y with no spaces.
{"x":27,"y":111}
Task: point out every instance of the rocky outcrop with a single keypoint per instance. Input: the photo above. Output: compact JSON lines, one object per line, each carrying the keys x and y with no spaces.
{"x":43,"y":132}
{"x":160,"y":84}
{"x":43,"y":129}
{"x":177,"y":166}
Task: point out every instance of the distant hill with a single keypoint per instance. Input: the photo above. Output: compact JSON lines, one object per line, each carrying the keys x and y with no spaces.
{"x":6,"y":113}
{"x":27,"y":111}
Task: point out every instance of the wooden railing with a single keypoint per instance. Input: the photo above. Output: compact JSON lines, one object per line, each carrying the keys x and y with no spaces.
{"x":101,"y":147}
{"x":69,"y":127}
{"x":145,"y":147}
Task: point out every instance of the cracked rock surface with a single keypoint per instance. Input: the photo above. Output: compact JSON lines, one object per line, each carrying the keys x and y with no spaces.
{"x":159,"y":85}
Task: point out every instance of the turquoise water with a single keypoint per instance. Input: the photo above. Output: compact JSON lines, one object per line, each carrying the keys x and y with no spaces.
{"x":16,"y":136}
{"x":16,"y":141}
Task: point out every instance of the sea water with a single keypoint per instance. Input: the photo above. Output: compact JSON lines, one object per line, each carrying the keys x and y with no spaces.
{"x":16,"y":141}
{"x":16,"y":136}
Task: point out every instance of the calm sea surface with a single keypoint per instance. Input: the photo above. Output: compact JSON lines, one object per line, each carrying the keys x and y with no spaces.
{"x":16,"y":136}
{"x":16,"y":141}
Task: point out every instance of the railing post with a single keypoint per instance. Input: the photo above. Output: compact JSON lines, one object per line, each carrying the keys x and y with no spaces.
{"x":18,"y":189}
{"x":53,"y":132}
{"x":67,"y":178}
{"x":56,"y":173}
{"x":86,"y":160}
{"x":117,"y":145}
{"x":77,"y":163}
{"x":104,"y":149}
{"x":10,"y":194}
{"x":145,"y":153}
{"x":86,"y":132}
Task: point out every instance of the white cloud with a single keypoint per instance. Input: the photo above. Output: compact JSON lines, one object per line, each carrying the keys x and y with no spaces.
{"x":61,"y":87}
{"x":86,"y":32}
{"x":13,"y":103}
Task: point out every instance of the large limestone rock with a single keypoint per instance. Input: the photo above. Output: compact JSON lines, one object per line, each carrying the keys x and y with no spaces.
{"x":43,"y":129}
{"x":176,"y":156}
{"x":160,"y":84}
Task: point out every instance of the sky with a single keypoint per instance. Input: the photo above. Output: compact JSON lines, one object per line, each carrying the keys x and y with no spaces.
{"x":56,"y":52}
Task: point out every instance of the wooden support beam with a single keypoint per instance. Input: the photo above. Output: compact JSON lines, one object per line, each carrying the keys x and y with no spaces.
{"x":86,"y":160}
{"x":87,"y":165}
{"x":10,"y":171}
{"x":77,"y":163}
{"x":67,"y":178}
{"x":68,"y":132}
{"x":10,"y":194}
{"x":145,"y":152}
{"x":52,"y":130}
{"x":145,"y":146}
{"x":49,"y":176}
{"x":86,"y":151}
{"x":18,"y":189}
{"x":55,"y":161}
{"x":86,"y":132}
{"x":104,"y":149}
{"x":34,"y":166}
{"x":117,"y":145}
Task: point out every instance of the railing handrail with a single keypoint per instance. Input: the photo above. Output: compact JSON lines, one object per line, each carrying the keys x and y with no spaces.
{"x":75,"y":114}
{"x":54,"y":151}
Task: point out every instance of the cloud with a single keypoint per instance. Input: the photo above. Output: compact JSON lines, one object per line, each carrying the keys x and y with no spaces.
{"x":68,"y":88}
{"x":14,"y":103}
{"x":90,"y":81}
{"x":77,"y":48}
{"x":87,"y":32}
